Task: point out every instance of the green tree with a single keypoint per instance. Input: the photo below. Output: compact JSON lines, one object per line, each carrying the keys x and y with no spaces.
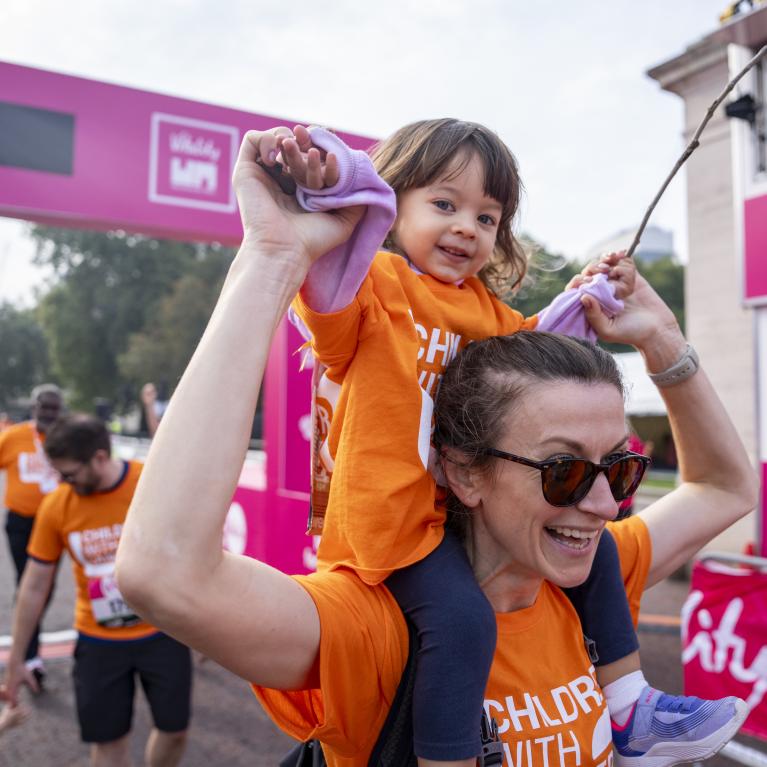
{"x":23,"y":353}
{"x":546,"y":277}
{"x":162,"y":349}
{"x":667,"y":277}
{"x":106,"y":287}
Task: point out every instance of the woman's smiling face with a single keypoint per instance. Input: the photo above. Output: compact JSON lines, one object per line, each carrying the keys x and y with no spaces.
{"x":514,"y":530}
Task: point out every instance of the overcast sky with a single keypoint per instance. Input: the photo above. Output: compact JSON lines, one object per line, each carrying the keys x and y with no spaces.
{"x":563,"y":83}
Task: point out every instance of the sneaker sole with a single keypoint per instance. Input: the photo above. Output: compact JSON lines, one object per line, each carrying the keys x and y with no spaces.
{"x":664,"y":756}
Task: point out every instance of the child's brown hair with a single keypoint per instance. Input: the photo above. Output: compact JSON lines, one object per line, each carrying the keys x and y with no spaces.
{"x":420,"y":153}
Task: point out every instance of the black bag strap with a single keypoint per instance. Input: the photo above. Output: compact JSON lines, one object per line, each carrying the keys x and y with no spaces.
{"x":394,"y":747}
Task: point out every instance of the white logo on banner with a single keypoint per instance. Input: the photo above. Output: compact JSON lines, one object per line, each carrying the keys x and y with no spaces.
{"x":719,"y":648}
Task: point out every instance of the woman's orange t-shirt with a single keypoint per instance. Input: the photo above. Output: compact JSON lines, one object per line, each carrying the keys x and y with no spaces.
{"x":29,"y":476}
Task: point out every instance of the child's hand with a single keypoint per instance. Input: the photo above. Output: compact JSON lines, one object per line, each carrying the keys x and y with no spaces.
{"x":619,"y":270}
{"x":306,"y":164}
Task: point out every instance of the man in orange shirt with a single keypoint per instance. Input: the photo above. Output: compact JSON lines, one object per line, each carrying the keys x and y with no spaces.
{"x":29,"y":477}
{"x":85,"y":516}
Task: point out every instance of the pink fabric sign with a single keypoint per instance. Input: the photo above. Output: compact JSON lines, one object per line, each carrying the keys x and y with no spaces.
{"x":755,"y":249}
{"x":762,"y":510}
{"x":85,"y":153}
{"x":724,"y":639}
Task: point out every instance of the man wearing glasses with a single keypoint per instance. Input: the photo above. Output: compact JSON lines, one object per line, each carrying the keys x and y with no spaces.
{"x":29,"y":477}
{"x":85,"y":516}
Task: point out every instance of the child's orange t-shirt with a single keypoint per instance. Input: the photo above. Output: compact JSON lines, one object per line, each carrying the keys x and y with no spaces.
{"x":385,"y":354}
{"x":29,"y":476}
{"x":89,"y":528}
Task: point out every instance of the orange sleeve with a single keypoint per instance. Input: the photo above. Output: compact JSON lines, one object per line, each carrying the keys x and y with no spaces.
{"x":45,"y":542}
{"x":635,"y":551}
{"x":363,"y":648}
{"x":336,"y":335}
{"x":511,"y":321}
{"x":3,"y":441}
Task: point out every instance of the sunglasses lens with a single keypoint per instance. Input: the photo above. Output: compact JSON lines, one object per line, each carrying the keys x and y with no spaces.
{"x":567,"y":481}
{"x":624,"y":476}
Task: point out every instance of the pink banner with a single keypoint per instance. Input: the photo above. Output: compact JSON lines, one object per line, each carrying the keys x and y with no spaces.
{"x":762,"y":508}
{"x":85,"y":153}
{"x":755,"y":249}
{"x":724,"y":638}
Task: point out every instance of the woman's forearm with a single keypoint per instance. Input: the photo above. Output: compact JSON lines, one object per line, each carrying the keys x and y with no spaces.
{"x":708,"y":447}
{"x":718,"y":485}
{"x":173,"y":530}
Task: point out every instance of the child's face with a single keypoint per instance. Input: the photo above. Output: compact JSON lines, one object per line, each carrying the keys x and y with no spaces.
{"x":448,"y":229}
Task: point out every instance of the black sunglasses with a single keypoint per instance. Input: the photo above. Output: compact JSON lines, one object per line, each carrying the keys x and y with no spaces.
{"x":565,"y":481}
{"x":69,"y":476}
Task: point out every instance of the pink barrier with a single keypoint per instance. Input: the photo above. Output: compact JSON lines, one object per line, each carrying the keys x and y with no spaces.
{"x":724,"y":638}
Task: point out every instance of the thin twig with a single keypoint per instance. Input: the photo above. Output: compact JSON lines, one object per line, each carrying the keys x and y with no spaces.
{"x":693,"y":145}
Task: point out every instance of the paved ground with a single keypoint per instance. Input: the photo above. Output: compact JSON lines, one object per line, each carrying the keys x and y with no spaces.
{"x":229,"y":728}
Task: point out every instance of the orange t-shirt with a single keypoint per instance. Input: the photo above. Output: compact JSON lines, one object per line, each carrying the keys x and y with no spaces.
{"x":89,"y":528}
{"x":542,"y":690}
{"x":29,"y":476}
{"x":385,"y":354}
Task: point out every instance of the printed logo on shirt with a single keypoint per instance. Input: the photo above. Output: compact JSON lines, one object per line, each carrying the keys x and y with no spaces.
{"x":34,"y":469}
{"x":95,"y":549}
{"x":436,"y":349}
{"x":541,"y":730}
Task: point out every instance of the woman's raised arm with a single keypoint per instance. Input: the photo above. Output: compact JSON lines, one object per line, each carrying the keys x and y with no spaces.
{"x":718,"y":485}
{"x":170,"y":566}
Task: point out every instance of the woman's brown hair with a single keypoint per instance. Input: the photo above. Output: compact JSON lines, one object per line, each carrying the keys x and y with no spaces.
{"x":483,"y":385}
{"x":422,"y":152}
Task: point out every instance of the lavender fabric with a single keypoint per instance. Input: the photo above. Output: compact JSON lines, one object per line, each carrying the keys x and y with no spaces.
{"x":565,"y":313}
{"x":334,"y":279}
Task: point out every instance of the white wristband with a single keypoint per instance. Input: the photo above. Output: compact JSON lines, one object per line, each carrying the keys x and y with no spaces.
{"x":685,"y":367}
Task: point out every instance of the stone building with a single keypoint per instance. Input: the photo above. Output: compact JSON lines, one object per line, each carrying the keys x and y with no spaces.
{"x":727,"y":221}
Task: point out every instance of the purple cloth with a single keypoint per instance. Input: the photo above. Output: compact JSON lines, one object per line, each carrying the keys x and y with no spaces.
{"x":565,"y":313}
{"x":334,"y":279}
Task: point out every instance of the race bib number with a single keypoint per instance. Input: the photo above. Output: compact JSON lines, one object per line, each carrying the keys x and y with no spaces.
{"x":107,"y":603}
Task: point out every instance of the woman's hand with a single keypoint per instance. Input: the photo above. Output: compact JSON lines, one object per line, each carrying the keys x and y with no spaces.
{"x":646,"y":323}
{"x":620,"y":270}
{"x":273,"y":222}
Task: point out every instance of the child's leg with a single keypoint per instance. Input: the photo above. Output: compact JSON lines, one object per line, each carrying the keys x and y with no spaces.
{"x":650,"y":728}
{"x":457,"y":632}
{"x":603,"y":608}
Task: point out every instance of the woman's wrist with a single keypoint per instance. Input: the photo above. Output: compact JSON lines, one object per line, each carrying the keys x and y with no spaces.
{"x":663,"y":349}
{"x":277,"y":266}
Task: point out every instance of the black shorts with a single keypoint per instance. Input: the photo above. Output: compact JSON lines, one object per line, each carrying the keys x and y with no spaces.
{"x":105,"y":682}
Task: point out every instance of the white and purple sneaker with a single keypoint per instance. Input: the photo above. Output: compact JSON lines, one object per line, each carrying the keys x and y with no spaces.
{"x":664,"y":730}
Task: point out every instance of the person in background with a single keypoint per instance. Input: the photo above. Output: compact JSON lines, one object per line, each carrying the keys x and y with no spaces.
{"x":29,"y":478}
{"x":84,"y":516}
{"x":635,"y":445}
{"x":153,"y":405}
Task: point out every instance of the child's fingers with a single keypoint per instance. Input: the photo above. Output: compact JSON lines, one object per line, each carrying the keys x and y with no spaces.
{"x":331,"y":170}
{"x":613,"y":258}
{"x":313,"y":170}
{"x":269,"y":142}
{"x":624,"y":278}
{"x":303,"y":138}
{"x":295,"y":160}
